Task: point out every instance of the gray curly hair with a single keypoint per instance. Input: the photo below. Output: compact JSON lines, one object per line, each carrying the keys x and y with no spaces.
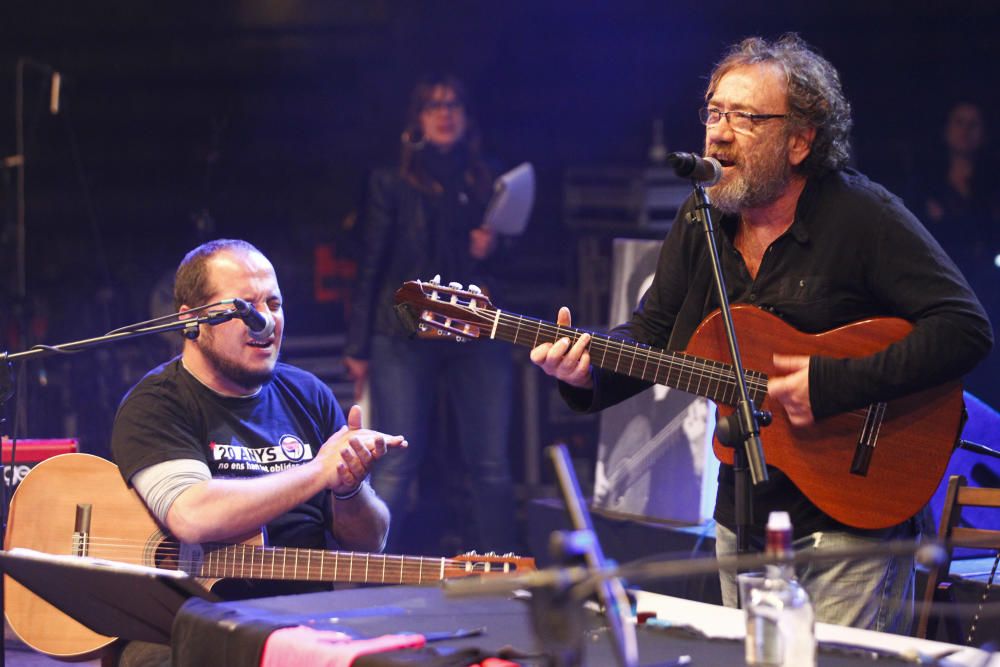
{"x":815,"y":97}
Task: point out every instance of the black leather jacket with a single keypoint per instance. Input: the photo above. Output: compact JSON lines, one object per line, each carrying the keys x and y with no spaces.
{"x":408,"y":235}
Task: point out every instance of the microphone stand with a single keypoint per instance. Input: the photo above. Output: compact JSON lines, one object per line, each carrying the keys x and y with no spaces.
{"x":744,"y":424}
{"x":610,"y":591}
{"x":132,"y":331}
{"x":583,"y":580}
{"x":17,"y":163}
{"x":570,"y":586}
{"x":189,"y":325}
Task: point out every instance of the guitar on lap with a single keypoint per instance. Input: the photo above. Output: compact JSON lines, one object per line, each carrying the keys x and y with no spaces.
{"x":43,"y":518}
{"x":869,"y":468}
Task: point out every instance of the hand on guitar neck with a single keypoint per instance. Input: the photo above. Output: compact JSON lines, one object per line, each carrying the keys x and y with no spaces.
{"x":871,"y":467}
{"x":570,"y":363}
{"x":563,"y":361}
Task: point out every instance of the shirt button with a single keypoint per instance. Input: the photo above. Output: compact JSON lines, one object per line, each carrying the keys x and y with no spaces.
{"x":753,"y":296}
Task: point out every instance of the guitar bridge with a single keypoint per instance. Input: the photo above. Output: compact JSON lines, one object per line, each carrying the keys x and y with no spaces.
{"x":81,"y":530}
{"x":865,"y":448}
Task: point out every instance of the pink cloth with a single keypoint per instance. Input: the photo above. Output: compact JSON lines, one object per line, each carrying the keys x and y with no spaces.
{"x":300,"y":645}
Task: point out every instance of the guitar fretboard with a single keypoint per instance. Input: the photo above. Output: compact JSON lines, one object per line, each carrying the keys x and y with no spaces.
{"x":244,"y":561}
{"x":702,"y":377}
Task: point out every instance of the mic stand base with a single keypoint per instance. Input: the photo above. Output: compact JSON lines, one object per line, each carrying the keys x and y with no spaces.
{"x":558,"y":621}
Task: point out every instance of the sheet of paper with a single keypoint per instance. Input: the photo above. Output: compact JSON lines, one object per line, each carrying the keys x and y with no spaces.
{"x":513,"y":198}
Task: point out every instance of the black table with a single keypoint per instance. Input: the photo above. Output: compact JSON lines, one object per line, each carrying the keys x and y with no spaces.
{"x":236,"y":630}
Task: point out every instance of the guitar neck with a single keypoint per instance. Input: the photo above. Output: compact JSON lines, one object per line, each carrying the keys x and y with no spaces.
{"x":245,"y":561}
{"x":703,"y":377}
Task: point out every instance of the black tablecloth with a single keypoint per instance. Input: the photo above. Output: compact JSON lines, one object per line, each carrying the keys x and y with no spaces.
{"x":232,"y":633}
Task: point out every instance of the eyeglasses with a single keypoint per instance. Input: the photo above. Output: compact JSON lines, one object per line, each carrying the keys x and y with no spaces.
{"x":442,"y":105}
{"x":740,"y":121}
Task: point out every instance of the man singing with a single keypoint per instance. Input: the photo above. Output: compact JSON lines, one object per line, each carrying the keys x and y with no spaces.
{"x":813,"y":241}
{"x":225,"y":441}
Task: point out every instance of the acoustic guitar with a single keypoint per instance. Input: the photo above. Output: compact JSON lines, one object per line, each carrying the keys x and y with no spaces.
{"x":870,"y":468}
{"x":43,"y":517}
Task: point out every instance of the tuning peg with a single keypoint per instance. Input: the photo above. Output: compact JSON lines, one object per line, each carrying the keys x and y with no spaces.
{"x":475,"y":289}
{"x":455,"y":286}
{"x":436,"y":280}
{"x":423,"y":327}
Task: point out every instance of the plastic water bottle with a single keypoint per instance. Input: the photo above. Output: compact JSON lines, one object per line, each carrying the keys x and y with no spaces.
{"x":780,"y":618}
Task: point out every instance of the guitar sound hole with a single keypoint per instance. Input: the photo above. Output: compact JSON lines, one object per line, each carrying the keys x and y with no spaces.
{"x":165,"y":556}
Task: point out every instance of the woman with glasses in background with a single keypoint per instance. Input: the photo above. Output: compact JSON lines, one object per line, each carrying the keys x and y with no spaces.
{"x":423,"y":218}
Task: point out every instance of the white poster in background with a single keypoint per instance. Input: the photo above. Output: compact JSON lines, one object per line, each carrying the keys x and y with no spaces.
{"x":654,"y":455}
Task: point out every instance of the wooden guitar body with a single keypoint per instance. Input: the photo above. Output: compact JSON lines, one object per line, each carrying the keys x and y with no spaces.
{"x":43,"y":518}
{"x":915,"y":436}
{"x":44,"y":514}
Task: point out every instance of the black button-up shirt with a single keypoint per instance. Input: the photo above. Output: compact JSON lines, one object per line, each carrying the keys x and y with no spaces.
{"x":853,"y":251}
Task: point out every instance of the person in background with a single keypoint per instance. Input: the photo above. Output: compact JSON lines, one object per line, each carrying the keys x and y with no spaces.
{"x":423,"y":218}
{"x":962,"y":206}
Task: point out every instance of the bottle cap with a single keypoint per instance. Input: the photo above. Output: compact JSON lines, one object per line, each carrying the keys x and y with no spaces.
{"x":779,"y":521}
{"x":779,"y":534}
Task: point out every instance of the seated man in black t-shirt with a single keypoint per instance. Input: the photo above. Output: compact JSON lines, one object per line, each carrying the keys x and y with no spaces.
{"x":224,"y":441}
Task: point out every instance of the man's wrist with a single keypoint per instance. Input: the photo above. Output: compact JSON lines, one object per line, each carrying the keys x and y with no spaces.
{"x":353,"y":492}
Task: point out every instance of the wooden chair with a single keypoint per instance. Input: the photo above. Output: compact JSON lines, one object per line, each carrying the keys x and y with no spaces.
{"x":954,"y":535}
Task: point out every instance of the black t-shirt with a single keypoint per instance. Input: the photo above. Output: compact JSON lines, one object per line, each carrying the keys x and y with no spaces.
{"x":170,"y":415}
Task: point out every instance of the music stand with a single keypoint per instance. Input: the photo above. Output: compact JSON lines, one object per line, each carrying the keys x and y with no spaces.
{"x":110,"y":598}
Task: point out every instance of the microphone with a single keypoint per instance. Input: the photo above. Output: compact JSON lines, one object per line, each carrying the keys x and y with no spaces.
{"x":56,"y":83}
{"x":261,"y":327}
{"x":706,"y":170}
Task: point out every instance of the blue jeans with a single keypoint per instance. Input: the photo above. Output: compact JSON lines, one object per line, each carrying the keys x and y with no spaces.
{"x":478,"y":384}
{"x":870,"y":593}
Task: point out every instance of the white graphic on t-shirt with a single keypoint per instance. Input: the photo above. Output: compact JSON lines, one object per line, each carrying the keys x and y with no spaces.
{"x":237,"y":457}
{"x":293,"y":448}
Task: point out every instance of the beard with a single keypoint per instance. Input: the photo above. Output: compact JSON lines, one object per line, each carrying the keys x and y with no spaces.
{"x":762,"y":176}
{"x":233,"y":371}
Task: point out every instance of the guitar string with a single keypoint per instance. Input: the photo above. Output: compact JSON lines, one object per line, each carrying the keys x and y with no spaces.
{"x":236,"y":554}
{"x":756,"y":380}
{"x":678,"y":361}
{"x":170,"y":547}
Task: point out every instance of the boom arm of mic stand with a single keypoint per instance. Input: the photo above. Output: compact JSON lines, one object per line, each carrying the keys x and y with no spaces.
{"x":584,"y":580}
{"x":124,"y":333}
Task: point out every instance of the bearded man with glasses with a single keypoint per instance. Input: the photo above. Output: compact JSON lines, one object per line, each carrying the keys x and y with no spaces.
{"x":803,"y":236}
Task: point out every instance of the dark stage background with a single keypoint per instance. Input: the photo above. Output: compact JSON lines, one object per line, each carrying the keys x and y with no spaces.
{"x":187,"y":121}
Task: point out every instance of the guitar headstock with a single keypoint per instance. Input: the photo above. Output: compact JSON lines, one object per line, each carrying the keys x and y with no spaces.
{"x":451,"y":310}
{"x":473,"y":564}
